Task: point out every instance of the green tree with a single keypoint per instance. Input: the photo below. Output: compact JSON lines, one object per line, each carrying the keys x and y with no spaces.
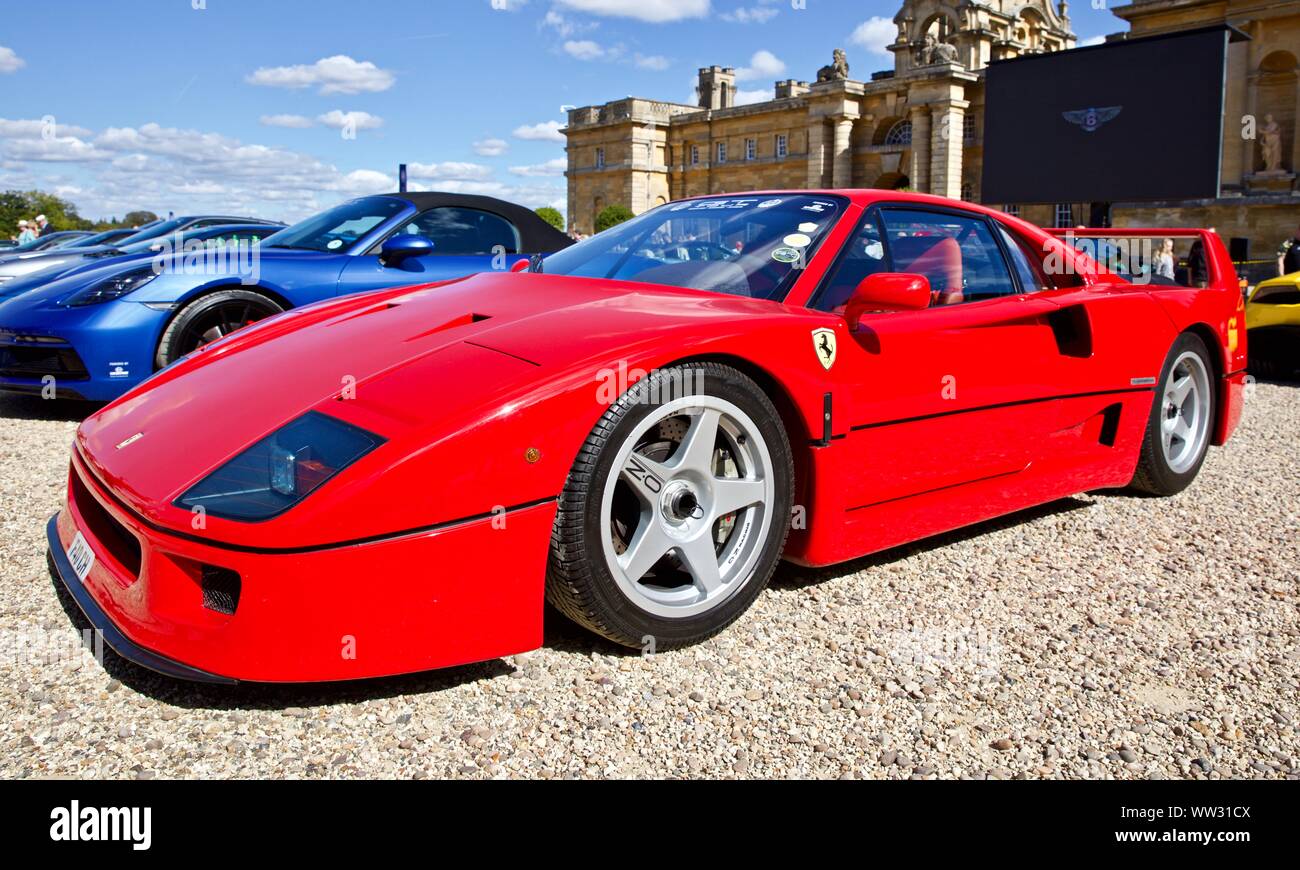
{"x":612,"y":216}
{"x":552,"y":217}
{"x":138,"y":219}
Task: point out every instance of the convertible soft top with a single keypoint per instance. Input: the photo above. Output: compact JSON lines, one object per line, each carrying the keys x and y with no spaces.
{"x":536,"y":235}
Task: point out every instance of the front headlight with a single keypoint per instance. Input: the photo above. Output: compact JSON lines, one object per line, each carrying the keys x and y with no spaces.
{"x":280,"y":470}
{"x":113,"y":288}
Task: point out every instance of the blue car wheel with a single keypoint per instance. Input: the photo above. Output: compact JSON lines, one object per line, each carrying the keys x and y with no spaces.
{"x":211,"y":317}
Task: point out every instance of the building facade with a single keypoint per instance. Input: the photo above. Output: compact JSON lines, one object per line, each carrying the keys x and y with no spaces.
{"x":920,"y":124}
{"x":1259,"y":199}
{"x":917,"y":125}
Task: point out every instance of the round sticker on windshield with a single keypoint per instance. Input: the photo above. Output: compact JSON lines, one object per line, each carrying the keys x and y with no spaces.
{"x":335,"y":244}
{"x":787,"y":255}
{"x":768,"y":203}
{"x":808,"y":228}
{"x":797,"y":240}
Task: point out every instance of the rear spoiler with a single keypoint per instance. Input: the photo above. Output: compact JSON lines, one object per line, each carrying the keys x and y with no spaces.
{"x":1219,"y":268}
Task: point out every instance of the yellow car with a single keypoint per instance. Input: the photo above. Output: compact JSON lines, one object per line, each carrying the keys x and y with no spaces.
{"x":1273,"y":326}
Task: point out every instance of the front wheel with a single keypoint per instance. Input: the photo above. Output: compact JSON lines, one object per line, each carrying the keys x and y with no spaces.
{"x":1182,"y":416}
{"x":676,"y":510}
{"x":209,"y":318}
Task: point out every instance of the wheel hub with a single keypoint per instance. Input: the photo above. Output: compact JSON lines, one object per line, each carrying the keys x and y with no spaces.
{"x":695,"y":484}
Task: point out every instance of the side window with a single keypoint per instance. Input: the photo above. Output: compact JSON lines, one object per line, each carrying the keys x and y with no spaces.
{"x":864,"y":255}
{"x":957,"y":254}
{"x":1028,"y":266}
{"x":464,"y":231}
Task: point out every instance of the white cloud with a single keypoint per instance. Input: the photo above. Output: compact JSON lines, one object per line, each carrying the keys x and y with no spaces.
{"x":549,"y":169}
{"x":339,"y":74}
{"x":875,"y":34}
{"x":191,"y":171}
{"x":585,"y":49}
{"x":296,"y":122}
{"x":750,"y":15}
{"x":508,"y":5}
{"x":450,"y":170}
{"x":547,"y":131}
{"x":653,"y":11}
{"x":1092,"y":40}
{"x":763,"y":65}
{"x":566,"y":27}
{"x":339,"y":120}
{"x":656,"y":62}
{"x":9,"y":61}
{"x":491,"y":147}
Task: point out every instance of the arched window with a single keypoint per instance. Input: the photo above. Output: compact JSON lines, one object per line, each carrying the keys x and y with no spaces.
{"x":899,"y":134}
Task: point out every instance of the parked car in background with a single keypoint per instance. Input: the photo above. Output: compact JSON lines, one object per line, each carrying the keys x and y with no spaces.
{"x":63,"y":320}
{"x":638,"y":433}
{"x":1273,"y":327}
{"x":99,"y":343}
{"x":48,"y":241}
{"x":81,"y":250}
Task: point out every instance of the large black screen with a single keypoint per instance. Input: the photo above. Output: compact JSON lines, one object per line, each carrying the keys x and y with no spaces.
{"x":1140,"y":119}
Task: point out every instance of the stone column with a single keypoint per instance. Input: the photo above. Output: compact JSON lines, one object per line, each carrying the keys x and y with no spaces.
{"x":946,"y":147}
{"x":816,"y":152}
{"x":842,"y":162}
{"x":919,"y":172}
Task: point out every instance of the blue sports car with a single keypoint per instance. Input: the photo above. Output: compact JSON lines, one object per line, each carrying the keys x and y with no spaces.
{"x":97,"y":331}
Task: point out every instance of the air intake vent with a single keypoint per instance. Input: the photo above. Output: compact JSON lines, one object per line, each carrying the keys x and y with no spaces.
{"x":220,"y":589}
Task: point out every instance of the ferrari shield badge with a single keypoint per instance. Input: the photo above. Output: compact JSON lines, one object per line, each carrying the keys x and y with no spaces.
{"x":824,"y":344}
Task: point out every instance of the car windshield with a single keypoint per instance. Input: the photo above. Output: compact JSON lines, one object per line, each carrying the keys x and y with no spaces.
{"x":750,"y":246}
{"x":176,"y":241}
{"x":152,"y":231}
{"x":341,"y":227}
{"x":104,"y":238}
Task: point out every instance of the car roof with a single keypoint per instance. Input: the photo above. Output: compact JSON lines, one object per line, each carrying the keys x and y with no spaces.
{"x":536,"y":235}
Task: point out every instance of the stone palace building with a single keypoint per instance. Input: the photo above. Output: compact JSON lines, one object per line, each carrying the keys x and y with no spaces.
{"x":919,"y":125}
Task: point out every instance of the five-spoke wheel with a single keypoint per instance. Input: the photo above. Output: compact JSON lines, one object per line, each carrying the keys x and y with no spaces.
{"x":676,"y":511}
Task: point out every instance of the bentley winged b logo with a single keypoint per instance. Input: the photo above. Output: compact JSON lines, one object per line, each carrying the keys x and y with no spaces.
{"x":824,"y":344}
{"x":1092,"y":119}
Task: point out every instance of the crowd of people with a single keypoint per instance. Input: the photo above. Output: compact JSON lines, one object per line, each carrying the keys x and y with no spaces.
{"x":30,"y":231}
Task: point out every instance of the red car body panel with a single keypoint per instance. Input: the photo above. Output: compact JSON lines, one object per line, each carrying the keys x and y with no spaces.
{"x":431,"y":550}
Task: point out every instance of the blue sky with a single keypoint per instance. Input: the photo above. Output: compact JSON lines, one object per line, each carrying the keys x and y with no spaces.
{"x":245,"y":106}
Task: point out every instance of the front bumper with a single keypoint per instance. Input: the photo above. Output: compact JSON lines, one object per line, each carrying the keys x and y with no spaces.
{"x":97,"y":352}
{"x":463,"y":593}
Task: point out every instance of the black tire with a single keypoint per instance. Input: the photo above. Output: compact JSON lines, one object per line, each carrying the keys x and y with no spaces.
{"x":244,"y":306}
{"x":1154,"y":474}
{"x":579,"y":583}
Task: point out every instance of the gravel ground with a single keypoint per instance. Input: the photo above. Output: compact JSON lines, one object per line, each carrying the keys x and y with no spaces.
{"x":1100,"y":636}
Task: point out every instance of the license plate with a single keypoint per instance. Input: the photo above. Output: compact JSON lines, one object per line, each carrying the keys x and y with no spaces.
{"x":81,"y":557}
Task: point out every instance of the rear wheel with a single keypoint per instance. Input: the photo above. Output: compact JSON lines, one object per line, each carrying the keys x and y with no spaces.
{"x":1182,"y":414}
{"x":209,"y":318}
{"x":676,"y":510}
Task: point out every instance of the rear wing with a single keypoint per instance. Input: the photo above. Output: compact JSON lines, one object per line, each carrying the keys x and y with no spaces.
{"x":1126,"y":252}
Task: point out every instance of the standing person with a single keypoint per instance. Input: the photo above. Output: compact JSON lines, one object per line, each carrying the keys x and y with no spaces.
{"x":42,"y":225}
{"x":1288,"y":255}
{"x":1162,"y":261}
{"x":1198,"y":270}
{"x":25,"y":233}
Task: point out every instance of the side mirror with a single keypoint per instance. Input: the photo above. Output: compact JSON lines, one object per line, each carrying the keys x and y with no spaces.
{"x":521,"y":266}
{"x":400,"y":247}
{"x":887,"y":291}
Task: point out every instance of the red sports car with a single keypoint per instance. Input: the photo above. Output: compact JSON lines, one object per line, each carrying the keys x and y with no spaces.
{"x":636,"y":429}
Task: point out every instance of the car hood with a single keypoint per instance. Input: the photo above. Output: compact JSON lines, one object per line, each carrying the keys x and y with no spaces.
{"x":59,"y":280}
{"x":414,"y":365}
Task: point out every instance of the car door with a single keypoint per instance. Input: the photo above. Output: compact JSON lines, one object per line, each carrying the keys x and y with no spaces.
{"x":465,"y":241}
{"x":949,"y":395}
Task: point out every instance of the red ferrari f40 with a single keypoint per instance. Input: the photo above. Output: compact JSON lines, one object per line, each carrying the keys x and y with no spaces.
{"x":635,"y":429}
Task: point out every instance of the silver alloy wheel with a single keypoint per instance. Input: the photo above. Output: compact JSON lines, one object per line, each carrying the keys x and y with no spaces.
{"x":1184,"y":413}
{"x":703,"y":512}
